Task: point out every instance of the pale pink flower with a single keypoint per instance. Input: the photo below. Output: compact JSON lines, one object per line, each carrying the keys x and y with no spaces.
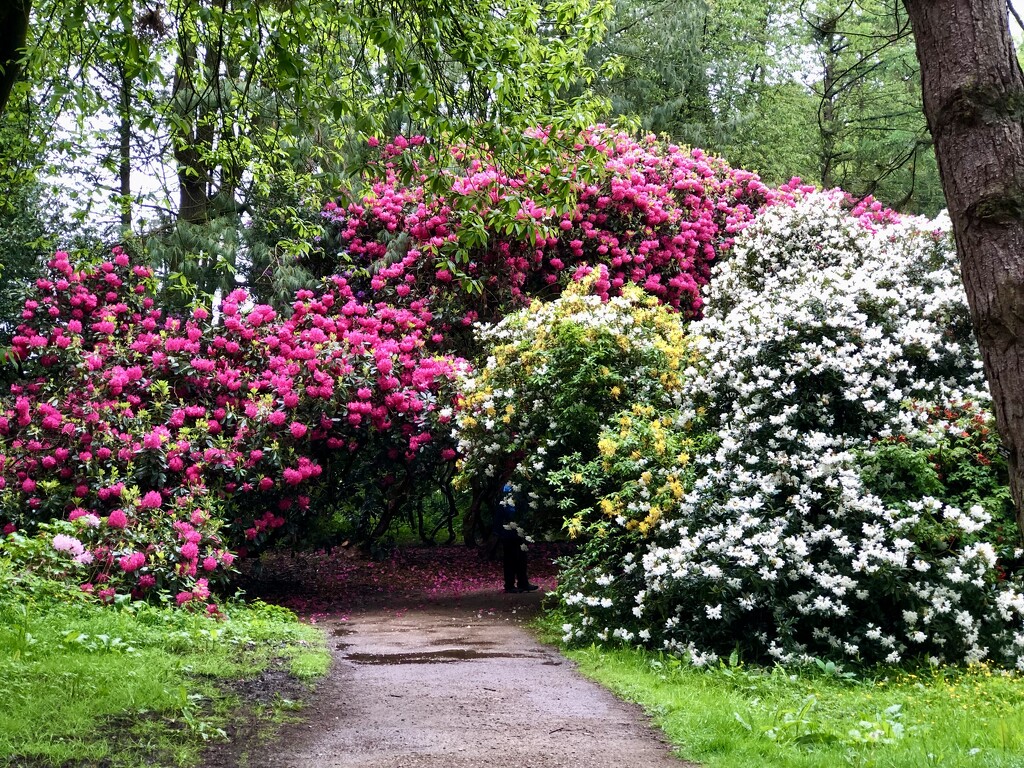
{"x":64,"y":543}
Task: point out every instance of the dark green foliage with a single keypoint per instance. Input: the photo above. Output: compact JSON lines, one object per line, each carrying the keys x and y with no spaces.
{"x":962,"y":463}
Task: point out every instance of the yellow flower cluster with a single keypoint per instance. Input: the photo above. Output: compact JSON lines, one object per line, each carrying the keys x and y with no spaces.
{"x":648,"y":523}
{"x":674,"y":487}
{"x":643,"y":433}
{"x":505,"y":404}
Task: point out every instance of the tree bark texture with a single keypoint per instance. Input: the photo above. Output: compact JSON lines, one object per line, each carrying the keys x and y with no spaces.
{"x":124,"y":170}
{"x":974,"y":102}
{"x":14,"y":16}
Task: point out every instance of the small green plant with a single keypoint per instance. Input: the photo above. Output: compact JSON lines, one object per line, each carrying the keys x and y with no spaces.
{"x":885,"y":728}
{"x":799,"y":725}
{"x":831,"y":669}
{"x":98,"y":643}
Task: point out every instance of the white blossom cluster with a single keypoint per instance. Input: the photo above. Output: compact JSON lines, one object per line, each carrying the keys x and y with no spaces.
{"x":819,"y":334}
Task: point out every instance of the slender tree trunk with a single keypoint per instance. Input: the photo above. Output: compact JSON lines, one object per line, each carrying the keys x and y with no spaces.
{"x":191,"y":137}
{"x":824,"y":32}
{"x":124,"y":170}
{"x":193,"y":132}
{"x":14,"y":16}
{"x":827,"y":124}
{"x":974,"y":100}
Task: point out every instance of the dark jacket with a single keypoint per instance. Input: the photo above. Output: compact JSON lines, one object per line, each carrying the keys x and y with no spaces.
{"x":503,"y":515}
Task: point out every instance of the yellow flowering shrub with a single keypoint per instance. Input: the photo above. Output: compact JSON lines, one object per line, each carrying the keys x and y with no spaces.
{"x":553,"y":377}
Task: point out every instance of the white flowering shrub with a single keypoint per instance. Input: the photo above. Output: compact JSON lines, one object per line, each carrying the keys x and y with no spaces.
{"x":644,"y":459}
{"x":824,"y":518}
{"x":555,"y":375}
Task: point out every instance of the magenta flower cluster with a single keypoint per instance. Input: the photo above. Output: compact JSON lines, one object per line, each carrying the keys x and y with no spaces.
{"x":170,"y":439}
{"x":642,"y":212}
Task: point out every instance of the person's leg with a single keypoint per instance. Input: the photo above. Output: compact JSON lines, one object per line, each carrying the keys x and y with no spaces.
{"x":510,"y":561}
{"x":521,"y":578}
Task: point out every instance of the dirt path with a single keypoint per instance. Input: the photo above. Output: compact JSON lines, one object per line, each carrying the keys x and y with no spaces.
{"x":454,"y":680}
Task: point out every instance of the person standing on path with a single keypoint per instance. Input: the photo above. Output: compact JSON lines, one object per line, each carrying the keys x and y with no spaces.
{"x":513,"y":545}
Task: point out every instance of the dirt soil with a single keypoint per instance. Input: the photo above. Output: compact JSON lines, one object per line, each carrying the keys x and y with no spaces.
{"x":436,"y":669}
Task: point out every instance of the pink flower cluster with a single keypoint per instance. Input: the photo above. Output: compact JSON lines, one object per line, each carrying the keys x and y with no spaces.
{"x":197,"y":596}
{"x":133,"y":551}
{"x":652,"y":214}
{"x":237,"y":420}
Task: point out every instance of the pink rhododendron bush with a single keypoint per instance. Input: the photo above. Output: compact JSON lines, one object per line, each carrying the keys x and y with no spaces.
{"x":161,"y":441}
{"x":844,"y":494}
{"x":477,"y":241}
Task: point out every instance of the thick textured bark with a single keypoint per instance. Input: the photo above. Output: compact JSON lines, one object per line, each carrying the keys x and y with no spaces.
{"x":974,"y":101}
{"x":14,"y":16}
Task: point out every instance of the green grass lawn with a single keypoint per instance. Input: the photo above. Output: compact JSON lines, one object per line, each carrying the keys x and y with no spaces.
{"x":744,"y":717}
{"x":134,"y":684}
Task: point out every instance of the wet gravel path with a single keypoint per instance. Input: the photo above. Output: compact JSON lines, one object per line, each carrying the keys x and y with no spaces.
{"x":458,"y":683}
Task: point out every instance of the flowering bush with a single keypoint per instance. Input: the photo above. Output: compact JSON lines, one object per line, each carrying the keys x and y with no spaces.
{"x":133,"y":552}
{"x":645,"y":468}
{"x":476,"y":241}
{"x":555,"y":374}
{"x":134,"y":417}
{"x":828,"y":339}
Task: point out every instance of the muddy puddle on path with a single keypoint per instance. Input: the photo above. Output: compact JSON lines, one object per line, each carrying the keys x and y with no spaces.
{"x":430,"y":657}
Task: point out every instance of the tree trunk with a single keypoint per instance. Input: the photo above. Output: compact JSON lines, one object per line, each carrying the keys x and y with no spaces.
{"x":14,"y":16}
{"x":124,"y":170}
{"x":827,"y":123}
{"x":825,"y":34}
{"x":193,"y":131}
{"x":191,"y":134}
{"x":974,"y":100}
